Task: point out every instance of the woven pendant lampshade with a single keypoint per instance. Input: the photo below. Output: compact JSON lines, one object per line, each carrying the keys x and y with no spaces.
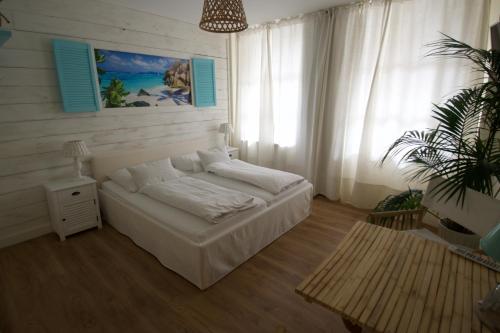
{"x":223,"y":16}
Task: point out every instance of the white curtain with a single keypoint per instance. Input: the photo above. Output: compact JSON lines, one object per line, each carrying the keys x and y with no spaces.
{"x":270,"y":85}
{"x":325,"y":95}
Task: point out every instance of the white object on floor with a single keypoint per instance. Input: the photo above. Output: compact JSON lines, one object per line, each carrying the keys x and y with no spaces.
{"x":206,"y":200}
{"x":73,"y":205}
{"x":270,"y":180}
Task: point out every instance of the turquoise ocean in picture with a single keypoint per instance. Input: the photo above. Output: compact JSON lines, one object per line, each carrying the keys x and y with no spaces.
{"x":139,"y":80}
{"x":134,"y":81}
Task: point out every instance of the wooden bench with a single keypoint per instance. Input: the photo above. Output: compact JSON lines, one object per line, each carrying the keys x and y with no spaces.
{"x":392,"y":281}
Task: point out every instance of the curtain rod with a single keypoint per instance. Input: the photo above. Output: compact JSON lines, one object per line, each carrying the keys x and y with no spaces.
{"x":326,"y":10}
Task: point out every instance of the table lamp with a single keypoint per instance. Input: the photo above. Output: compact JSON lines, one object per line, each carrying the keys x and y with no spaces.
{"x":77,"y":150}
{"x":225,"y":128}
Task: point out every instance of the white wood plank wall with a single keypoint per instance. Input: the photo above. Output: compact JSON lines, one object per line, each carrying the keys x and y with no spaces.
{"x":32,"y":124}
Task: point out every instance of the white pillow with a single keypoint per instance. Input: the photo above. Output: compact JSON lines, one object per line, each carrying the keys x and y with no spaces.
{"x":197,"y":166}
{"x":209,"y":157}
{"x":123,"y":178}
{"x":153,"y":172}
{"x":180,"y":173}
{"x":188,"y":162}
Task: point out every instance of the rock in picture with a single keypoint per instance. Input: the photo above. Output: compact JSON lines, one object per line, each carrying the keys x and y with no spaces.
{"x":135,"y":80}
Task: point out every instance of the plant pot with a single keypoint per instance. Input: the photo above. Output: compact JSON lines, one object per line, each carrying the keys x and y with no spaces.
{"x":479,"y":213}
{"x":469,"y":240}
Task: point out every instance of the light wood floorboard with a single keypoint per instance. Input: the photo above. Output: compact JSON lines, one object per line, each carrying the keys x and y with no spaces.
{"x":100,"y":281}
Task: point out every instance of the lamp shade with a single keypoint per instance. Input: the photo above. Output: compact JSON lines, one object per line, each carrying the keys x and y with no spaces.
{"x":223,"y":16}
{"x":75,"y":148}
{"x":225,"y":128}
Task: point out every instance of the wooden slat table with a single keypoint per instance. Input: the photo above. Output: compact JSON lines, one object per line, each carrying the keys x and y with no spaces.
{"x":392,"y":281}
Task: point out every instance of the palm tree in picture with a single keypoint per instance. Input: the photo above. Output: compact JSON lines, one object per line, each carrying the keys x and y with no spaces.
{"x":99,"y":59}
{"x":114,"y":94}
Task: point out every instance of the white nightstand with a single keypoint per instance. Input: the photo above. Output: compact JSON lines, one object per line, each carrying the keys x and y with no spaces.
{"x":234,"y":153}
{"x":73,"y":205}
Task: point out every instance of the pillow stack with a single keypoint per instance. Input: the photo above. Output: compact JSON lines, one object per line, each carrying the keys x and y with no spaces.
{"x":209,"y":157}
{"x":134,"y":178}
{"x":188,"y":163}
{"x":123,"y":178}
{"x":151,"y":173}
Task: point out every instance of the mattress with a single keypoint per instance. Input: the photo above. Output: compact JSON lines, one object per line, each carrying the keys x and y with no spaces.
{"x":190,"y":226}
{"x":250,"y":189}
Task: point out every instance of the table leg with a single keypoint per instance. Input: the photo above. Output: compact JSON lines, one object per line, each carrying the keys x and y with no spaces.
{"x":351,"y":327}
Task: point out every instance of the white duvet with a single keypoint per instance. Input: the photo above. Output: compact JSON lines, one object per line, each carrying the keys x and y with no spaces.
{"x":270,"y":180}
{"x":208,"y":201}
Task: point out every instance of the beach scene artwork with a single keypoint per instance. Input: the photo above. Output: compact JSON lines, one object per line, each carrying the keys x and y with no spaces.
{"x":141,"y":80}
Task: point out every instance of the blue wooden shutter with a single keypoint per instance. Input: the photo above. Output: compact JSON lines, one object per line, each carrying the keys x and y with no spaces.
{"x":204,"y":82}
{"x":76,"y":74}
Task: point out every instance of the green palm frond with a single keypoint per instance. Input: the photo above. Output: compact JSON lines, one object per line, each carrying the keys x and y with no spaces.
{"x":483,"y":60}
{"x":406,"y":200}
{"x":464,"y":148}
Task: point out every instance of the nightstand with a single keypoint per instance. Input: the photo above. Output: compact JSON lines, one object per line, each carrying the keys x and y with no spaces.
{"x":73,"y":205}
{"x":234,"y":153}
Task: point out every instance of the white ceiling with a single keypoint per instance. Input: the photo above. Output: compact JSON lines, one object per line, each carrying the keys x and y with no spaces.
{"x":257,"y":11}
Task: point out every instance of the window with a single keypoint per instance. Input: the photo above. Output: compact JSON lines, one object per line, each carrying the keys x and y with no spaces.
{"x":270,"y":83}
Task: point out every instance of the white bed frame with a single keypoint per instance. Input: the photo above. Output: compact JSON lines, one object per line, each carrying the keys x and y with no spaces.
{"x":203,"y":263}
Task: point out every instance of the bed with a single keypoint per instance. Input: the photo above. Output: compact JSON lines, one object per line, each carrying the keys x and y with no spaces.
{"x":201,"y":252}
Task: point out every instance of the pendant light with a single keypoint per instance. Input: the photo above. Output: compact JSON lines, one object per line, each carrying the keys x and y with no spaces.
{"x":223,"y":16}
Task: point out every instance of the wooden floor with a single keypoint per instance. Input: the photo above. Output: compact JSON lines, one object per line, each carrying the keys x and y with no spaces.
{"x":100,"y":281}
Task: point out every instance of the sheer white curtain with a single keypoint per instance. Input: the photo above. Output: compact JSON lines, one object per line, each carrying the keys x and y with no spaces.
{"x":326,"y":94}
{"x":270,"y":89}
{"x":277,"y":68}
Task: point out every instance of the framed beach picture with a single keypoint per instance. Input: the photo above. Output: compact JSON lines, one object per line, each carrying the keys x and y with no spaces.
{"x":140,"y":80}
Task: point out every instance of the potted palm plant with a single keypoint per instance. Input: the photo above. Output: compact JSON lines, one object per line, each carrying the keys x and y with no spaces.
{"x":462,"y":153}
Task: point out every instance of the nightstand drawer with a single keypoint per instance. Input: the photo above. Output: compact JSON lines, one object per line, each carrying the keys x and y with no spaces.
{"x":79,"y":215}
{"x":77,"y":194}
{"x":234,"y":155}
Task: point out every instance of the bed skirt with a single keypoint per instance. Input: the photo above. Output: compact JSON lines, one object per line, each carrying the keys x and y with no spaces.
{"x":203,"y":264}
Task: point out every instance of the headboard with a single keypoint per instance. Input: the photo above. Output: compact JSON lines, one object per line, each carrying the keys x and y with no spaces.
{"x":103,"y":163}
